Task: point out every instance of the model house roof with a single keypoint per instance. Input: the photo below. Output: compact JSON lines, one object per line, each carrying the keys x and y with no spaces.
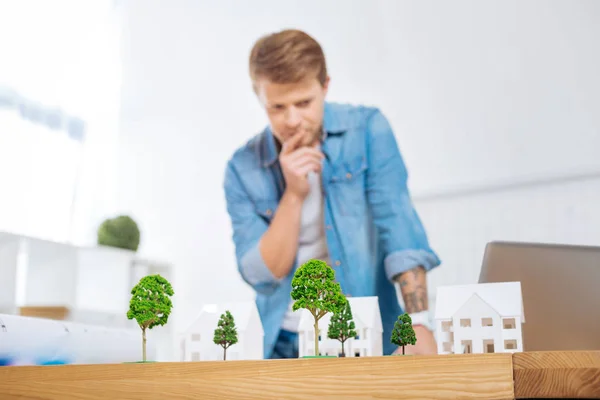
{"x":504,"y":297}
{"x":244,"y":314}
{"x":365,"y":311}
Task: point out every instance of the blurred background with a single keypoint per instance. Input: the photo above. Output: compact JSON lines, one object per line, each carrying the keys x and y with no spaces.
{"x":133,"y":107}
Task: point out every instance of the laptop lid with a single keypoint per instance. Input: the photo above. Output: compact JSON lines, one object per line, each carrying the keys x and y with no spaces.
{"x":561,"y":291}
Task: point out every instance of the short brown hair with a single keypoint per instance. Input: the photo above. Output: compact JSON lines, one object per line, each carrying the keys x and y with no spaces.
{"x":287,"y":56}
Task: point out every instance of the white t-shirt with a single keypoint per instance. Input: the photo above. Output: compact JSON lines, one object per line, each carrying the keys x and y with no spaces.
{"x":312,"y":243}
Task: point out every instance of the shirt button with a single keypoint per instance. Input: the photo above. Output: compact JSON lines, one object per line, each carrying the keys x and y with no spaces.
{"x":337,"y":263}
{"x":348,"y":175}
{"x":269,"y":212}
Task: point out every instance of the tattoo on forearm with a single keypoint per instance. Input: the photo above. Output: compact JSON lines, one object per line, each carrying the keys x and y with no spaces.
{"x":413,"y":285}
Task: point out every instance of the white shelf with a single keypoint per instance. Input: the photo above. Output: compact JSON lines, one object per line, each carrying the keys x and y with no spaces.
{"x":93,"y":282}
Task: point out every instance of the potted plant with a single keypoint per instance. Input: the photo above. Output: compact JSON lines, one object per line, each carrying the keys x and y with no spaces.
{"x":121,"y":232}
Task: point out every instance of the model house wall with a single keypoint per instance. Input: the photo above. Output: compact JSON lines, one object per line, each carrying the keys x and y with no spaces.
{"x":198,"y":345}
{"x":368,"y":341}
{"x":479,"y":318}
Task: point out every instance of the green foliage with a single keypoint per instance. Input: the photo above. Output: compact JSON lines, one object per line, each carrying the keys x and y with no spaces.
{"x":403,"y":333}
{"x":226,"y":332}
{"x":121,"y":232}
{"x":150,"y":304}
{"x":341,"y":326}
{"x":314,"y":288}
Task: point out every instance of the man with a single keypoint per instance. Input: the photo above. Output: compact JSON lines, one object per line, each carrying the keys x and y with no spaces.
{"x":323,"y":181}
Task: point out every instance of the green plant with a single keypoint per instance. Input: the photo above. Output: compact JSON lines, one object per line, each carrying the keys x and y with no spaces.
{"x":226,"y":332}
{"x":150,"y":304}
{"x":341,"y":326}
{"x":314,"y":288}
{"x":403,"y":333}
{"x":121,"y":232}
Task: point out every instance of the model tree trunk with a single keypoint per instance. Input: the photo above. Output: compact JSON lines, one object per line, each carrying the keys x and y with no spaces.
{"x":224,"y":352}
{"x":144,"y":345}
{"x":403,"y":350}
{"x":316,"y":337}
{"x":343,"y":352}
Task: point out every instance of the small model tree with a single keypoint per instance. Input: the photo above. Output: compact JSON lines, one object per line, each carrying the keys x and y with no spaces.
{"x":341,"y":326}
{"x":226,"y":333}
{"x":150,"y":304}
{"x":314,"y":288}
{"x":403,"y":333}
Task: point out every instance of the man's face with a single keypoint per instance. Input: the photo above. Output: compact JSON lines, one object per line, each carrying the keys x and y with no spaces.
{"x":294,"y":109}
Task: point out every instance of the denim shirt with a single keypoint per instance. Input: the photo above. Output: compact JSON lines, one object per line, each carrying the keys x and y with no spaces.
{"x":373,"y":231}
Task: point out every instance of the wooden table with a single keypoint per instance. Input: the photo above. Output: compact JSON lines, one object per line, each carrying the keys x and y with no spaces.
{"x":465,"y":376}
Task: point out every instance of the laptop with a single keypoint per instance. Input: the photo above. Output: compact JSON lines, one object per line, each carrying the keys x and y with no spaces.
{"x":560,"y":285}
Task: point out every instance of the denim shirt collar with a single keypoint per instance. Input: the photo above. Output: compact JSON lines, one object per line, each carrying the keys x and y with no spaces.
{"x":332,"y":125}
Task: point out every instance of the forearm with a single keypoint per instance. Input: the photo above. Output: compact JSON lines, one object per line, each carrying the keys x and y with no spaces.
{"x":279,"y":244}
{"x":413,"y":286}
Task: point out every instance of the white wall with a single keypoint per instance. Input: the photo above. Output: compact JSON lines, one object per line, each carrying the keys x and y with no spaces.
{"x":508,"y":91}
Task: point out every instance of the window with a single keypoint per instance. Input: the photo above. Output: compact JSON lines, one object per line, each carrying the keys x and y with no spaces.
{"x":465,"y":322}
{"x":510,"y":344}
{"x":509,"y":323}
{"x":196,"y":356}
{"x":195,"y":337}
{"x":447,"y":347}
{"x":58,"y":122}
{"x":446,"y":326}
{"x":487,"y":322}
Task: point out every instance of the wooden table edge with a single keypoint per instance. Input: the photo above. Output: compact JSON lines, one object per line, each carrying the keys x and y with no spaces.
{"x":557,"y":374}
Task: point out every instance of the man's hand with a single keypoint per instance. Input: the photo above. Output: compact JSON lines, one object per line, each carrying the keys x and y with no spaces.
{"x":426,"y":344}
{"x":296,"y":162}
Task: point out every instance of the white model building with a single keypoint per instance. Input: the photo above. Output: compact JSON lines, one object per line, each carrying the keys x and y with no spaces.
{"x":479,"y":318}
{"x":368,"y":341}
{"x":198,"y":345}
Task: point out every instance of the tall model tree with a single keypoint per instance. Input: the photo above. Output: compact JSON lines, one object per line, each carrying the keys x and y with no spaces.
{"x":314,"y":288}
{"x":150,"y":304}
{"x":341,"y":326}
{"x":403,"y":333}
{"x":226,"y":333}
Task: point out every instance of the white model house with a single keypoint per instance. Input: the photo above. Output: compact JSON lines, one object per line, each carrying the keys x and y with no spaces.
{"x":479,"y":318}
{"x":198,"y":345}
{"x":368,"y":341}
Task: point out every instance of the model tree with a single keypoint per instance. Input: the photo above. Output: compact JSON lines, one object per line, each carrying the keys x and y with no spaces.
{"x":314,"y":288}
{"x":226,"y":333}
{"x":341,"y":326}
{"x":150,"y":304}
{"x":403,"y":333}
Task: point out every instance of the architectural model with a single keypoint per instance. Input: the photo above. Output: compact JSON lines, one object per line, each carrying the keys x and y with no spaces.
{"x":479,"y":318}
{"x":369,"y":328}
{"x":198,"y":342}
